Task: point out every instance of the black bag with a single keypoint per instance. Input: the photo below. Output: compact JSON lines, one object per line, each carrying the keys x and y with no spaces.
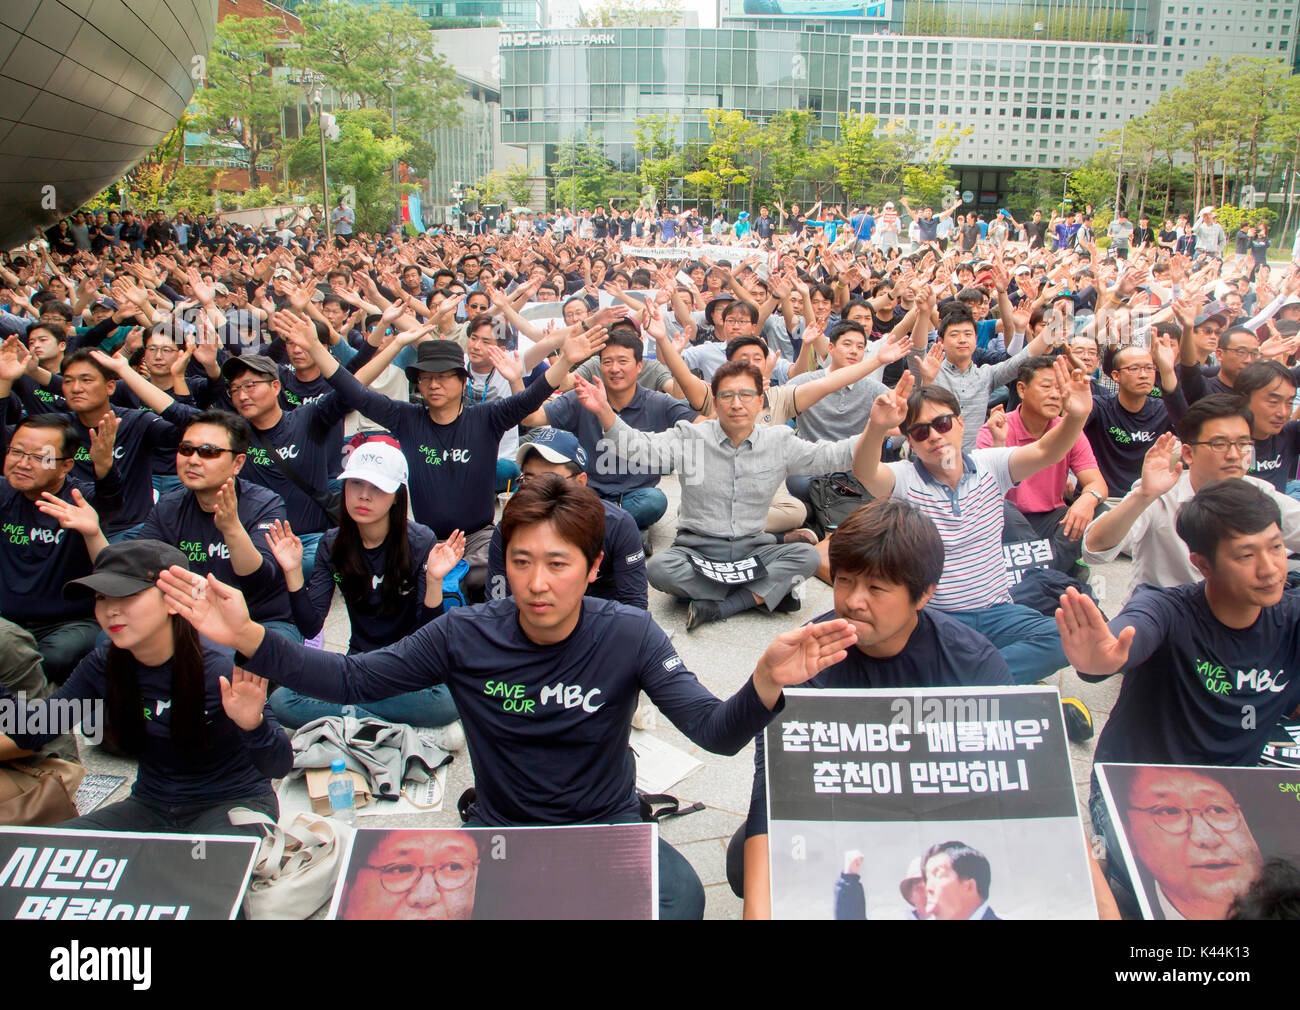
{"x":834,"y":498}
{"x":330,"y":503}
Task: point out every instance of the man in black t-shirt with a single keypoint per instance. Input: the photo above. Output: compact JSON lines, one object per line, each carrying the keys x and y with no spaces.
{"x":1209,"y":667}
{"x":1269,"y":388}
{"x":546,"y":682}
{"x":885,"y":560}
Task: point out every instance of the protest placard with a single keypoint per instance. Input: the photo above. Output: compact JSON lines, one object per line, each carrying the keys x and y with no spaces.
{"x":581,"y":872}
{"x":942,"y":803}
{"x":1194,"y":837}
{"x":87,"y":876}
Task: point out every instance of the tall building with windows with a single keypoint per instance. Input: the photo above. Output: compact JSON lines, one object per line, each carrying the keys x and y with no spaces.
{"x":520,"y":15}
{"x":1039,"y":81}
{"x":557,"y":85}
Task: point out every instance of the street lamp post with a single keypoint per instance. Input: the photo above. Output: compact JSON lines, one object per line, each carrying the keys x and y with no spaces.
{"x":397,"y":191}
{"x":1119,"y":167}
{"x":324,"y":180}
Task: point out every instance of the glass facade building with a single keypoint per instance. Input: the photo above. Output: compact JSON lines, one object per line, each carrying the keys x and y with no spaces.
{"x":1039,"y":82}
{"x":514,"y":14}
{"x":557,"y":85}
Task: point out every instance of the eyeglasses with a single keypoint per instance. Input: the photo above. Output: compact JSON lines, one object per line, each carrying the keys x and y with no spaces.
{"x":1249,"y":353}
{"x":1219,"y":446}
{"x":1139,"y":369}
{"x":36,"y":457}
{"x":398,"y":878}
{"x":188,"y":449}
{"x":241,"y":387}
{"x":920,"y":432}
{"x":1178,"y":820}
{"x":731,"y":395}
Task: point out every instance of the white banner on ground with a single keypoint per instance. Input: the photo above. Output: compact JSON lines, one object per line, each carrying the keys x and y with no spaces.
{"x":732,"y":253}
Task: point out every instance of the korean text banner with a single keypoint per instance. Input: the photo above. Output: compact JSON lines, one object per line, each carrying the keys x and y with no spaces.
{"x":583,"y":872}
{"x":937,"y":804}
{"x":941,"y":752}
{"x":1194,"y":839}
{"x":87,"y":876}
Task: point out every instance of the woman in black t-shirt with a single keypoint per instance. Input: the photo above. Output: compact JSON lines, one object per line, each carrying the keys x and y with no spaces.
{"x":201,"y":729}
{"x":389,"y":570}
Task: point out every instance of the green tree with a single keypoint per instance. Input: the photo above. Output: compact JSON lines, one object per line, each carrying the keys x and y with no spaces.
{"x":731,"y":138}
{"x":360,"y":50}
{"x":927,"y":179}
{"x":583,"y":175}
{"x":613,"y":14}
{"x":241,"y":102}
{"x":511,"y":186}
{"x":784,"y":151}
{"x":362,"y":157}
{"x":661,"y":162}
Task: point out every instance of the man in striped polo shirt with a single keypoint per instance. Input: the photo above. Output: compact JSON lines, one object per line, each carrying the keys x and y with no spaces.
{"x":962,"y":493}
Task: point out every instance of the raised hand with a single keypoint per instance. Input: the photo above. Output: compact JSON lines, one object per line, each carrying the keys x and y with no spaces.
{"x":115,"y":363}
{"x":890,"y":408}
{"x":894,"y":347}
{"x":796,"y":656}
{"x":997,"y":425}
{"x":226,"y":517}
{"x":1087,"y":641}
{"x":243,"y":697}
{"x":578,"y":347}
{"x":508,"y":364}
{"x":590,"y":394}
{"x":76,"y":515}
{"x":286,"y":546}
{"x":445,"y":555}
{"x":101,"y":442}
{"x":1076,"y":390}
{"x":1161,"y":467}
{"x":932,"y":362}
{"x":13,"y":359}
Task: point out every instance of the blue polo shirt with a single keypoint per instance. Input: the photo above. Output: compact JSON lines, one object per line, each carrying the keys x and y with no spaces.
{"x":607,"y":472}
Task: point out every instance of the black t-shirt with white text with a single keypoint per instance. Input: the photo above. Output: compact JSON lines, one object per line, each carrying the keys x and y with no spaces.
{"x":1195,"y":691}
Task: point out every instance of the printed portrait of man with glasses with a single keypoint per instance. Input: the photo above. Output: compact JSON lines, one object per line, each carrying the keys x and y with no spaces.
{"x":411,"y":875}
{"x":1190,"y":838}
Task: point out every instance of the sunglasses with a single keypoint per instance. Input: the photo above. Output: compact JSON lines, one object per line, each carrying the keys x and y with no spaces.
{"x":188,"y":449}
{"x":920,"y":432}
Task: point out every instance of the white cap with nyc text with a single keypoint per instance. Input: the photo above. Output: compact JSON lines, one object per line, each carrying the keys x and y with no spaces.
{"x":377,"y":463}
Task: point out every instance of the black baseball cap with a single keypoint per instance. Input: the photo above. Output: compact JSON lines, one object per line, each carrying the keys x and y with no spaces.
{"x":438,"y":356}
{"x":127,"y":568}
{"x":259,"y":364}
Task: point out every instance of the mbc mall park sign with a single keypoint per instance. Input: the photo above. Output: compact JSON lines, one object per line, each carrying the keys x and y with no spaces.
{"x":512,"y":39}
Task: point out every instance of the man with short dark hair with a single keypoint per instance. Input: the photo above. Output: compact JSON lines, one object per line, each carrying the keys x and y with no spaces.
{"x":622,"y":566}
{"x":219,"y":520}
{"x":886,"y":561}
{"x":957,"y":880}
{"x":1269,"y":388}
{"x":962,"y":494}
{"x":634,"y":489}
{"x":1195,"y":657}
{"x":1216,"y":445}
{"x":52,"y":534}
{"x":545,"y":681}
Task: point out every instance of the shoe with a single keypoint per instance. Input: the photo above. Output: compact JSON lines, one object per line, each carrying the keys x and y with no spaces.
{"x":789,"y":605}
{"x":1078,"y":720}
{"x":450,"y":737}
{"x":702,"y":612}
{"x":800,"y":536}
{"x":646,"y":545}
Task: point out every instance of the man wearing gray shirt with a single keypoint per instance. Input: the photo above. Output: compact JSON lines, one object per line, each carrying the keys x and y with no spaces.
{"x":1209,"y":234}
{"x":721,"y":561}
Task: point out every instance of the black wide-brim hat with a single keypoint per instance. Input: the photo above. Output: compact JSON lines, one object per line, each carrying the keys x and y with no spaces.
{"x":438,"y":356}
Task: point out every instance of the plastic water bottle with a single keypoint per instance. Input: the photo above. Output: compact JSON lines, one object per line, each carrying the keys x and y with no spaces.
{"x":342,"y":800}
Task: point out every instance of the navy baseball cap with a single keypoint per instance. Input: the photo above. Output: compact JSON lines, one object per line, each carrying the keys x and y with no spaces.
{"x":554,"y":446}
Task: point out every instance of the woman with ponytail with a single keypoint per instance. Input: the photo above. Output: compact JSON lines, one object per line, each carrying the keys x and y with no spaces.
{"x":200,"y":727}
{"x":389,"y":570}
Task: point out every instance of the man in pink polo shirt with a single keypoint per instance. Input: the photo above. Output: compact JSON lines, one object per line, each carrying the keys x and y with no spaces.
{"x":1036,"y":508}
